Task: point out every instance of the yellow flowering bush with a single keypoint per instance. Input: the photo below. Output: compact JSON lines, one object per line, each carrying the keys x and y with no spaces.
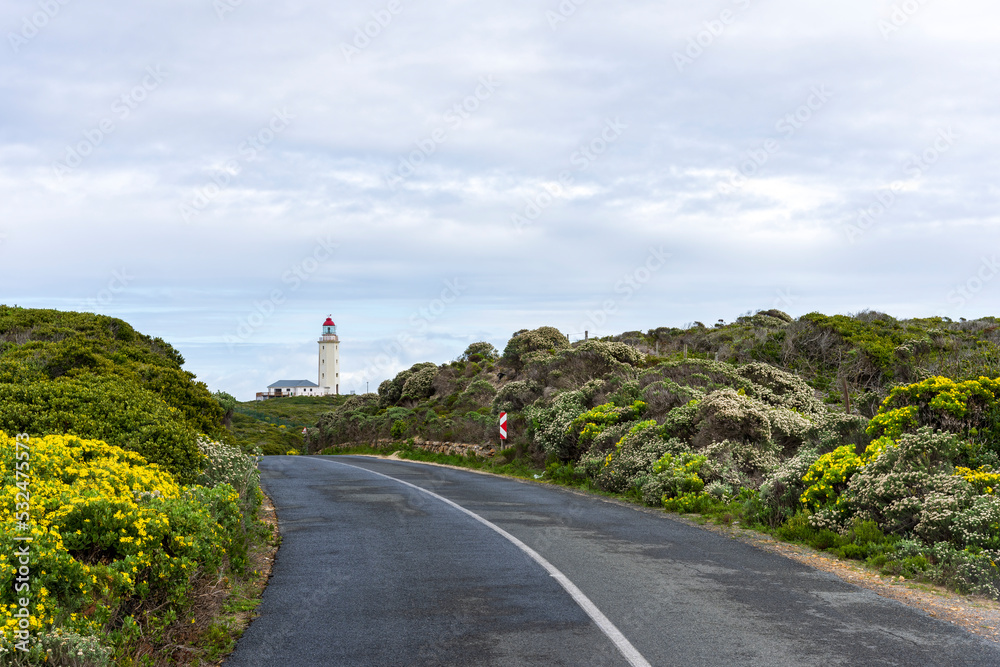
{"x":892,"y":423}
{"x":828,"y":476}
{"x":629,"y":465}
{"x":688,"y":502}
{"x":941,"y":403}
{"x":110,"y":534}
{"x":114,"y":410}
{"x":593,"y":422}
{"x":984,"y":478}
{"x":679,"y":474}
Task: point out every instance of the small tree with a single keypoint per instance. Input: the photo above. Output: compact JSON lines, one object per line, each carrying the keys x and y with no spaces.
{"x":524,"y":341}
{"x":479,"y":352}
{"x":228,"y":404}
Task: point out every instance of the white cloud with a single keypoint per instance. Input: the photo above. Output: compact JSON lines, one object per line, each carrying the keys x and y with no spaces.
{"x":657,"y":184}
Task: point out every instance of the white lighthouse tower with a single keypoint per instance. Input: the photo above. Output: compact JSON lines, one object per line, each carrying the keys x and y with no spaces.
{"x":329,"y":359}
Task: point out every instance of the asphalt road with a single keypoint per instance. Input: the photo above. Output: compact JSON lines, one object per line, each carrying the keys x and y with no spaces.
{"x":373,"y":571}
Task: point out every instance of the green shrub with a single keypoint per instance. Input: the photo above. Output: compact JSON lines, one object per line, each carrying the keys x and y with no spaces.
{"x":113,"y":410}
{"x":479,"y":392}
{"x":877,"y":335}
{"x":524,"y":342}
{"x":57,"y":647}
{"x":865,"y":533}
{"x":781,"y":490}
{"x":797,"y":529}
{"x":689,"y":503}
{"x":679,"y":474}
{"x":727,"y":414}
{"x":970,"y":408}
{"x":479,"y":352}
{"x":564,"y":474}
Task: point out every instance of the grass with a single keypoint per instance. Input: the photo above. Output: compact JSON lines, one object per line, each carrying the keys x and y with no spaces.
{"x":217,"y":637}
{"x":274,"y":426}
{"x":253,"y":435}
{"x":291,"y":411}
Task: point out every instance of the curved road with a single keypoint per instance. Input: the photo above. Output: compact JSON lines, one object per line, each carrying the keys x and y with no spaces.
{"x":373,"y":570}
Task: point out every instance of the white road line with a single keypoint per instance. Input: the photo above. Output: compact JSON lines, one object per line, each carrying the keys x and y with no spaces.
{"x":607,"y":627}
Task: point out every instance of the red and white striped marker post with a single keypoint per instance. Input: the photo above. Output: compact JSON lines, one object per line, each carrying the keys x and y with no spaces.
{"x":503,"y":425}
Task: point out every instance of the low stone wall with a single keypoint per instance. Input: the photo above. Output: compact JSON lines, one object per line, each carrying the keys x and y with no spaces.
{"x":451,"y":448}
{"x":457,"y":448}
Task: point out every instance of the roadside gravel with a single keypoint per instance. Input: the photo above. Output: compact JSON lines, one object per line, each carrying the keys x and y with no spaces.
{"x":976,"y":614}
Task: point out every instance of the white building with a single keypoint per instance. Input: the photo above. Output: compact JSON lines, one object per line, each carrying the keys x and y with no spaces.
{"x":283,"y":388}
{"x":328,"y":370}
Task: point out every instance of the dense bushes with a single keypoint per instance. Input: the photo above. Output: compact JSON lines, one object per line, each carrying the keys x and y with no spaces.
{"x":96,"y":377}
{"x":516,"y":395}
{"x":550,"y":424}
{"x":916,"y":482}
{"x":727,"y":414}
{"x":570,"y":367}
{"x":116,"y":411}
{"x":831,"y":430}
{"x":38,"y":345}
{"x":114,"y":536}
{"x":408,"y":386}
{"x":524,"y":342}
{"x":970,"y":408}
{"x":122,"y":535}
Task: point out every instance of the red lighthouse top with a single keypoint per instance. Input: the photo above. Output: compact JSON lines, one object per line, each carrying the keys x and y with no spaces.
{"x":329,"y":323}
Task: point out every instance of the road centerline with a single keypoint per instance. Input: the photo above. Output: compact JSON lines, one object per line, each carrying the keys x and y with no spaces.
{"x":624,"y":646}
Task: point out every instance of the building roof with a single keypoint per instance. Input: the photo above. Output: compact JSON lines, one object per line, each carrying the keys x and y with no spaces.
{"x":329,"y":322}
{"x":282,"y":384}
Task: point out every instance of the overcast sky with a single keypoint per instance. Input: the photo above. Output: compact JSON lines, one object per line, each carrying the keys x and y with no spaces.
{"x":226,"y":174}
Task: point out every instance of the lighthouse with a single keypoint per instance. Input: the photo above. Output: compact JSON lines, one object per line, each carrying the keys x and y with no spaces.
{"x":329,"y":359}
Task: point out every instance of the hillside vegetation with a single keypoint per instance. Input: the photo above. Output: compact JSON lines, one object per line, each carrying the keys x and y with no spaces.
{"x":115,"y":481}
{"x":275,"y":426}
{"x":96,"y":377}
{"x":874,"y":437}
